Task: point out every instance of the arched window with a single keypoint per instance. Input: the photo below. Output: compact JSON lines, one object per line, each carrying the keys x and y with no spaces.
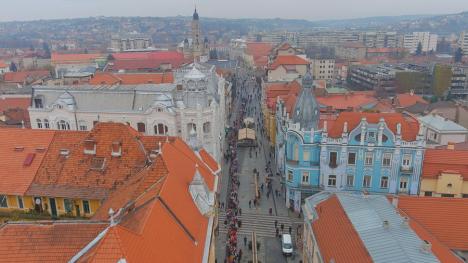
{"x":191,"y":126}
{"x":46,"y":124}
{"x":161,"y":129}
{"x":39,"y":123}
{"x":63,"y":125}
{"x":206,"y":127}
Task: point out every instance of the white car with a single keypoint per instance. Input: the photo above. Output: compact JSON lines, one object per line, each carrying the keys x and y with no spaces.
{"x":286,"y":244}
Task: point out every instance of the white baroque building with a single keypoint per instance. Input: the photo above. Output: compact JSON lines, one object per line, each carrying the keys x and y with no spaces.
{"x":193,"y":107}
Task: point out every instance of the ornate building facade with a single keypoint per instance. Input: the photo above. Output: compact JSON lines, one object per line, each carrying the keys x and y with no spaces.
{"x":374,"y":152}
{"x":194,"y":102}
{"x":195,"y":47}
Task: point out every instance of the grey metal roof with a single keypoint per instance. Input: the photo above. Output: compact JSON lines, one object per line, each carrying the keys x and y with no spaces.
{"x":394,"y":244}
{"x":442,"y":124}
{"x":307,"y":111}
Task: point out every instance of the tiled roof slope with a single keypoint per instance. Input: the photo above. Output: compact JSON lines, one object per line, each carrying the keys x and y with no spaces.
{"x":57,"y":58}
{"x":107,"y":78}
{"x":49,"y":241}
{"x":289,"y":60}
{"x":409,"y":99}
{"x":16,"y":146}
{"x":21,"y":77}
{"x":12,"y":103}
{"x":444,"y":218}
{"x":443,"y":160}
{"x":336,"y":237}
{"x":409,"y":126}
{"x":59,"y":174}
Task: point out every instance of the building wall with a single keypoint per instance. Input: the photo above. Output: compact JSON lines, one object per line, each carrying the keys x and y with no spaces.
{"x":29,"y":205}
{"x":427,"y":40}
{"x":463,"y":42}
{"x":445,"y":183}
{"x":323,"y":68}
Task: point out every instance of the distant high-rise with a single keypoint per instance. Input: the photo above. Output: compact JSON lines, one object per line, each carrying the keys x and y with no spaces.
{"x":428,"y":41}
{"x":463,"y":42}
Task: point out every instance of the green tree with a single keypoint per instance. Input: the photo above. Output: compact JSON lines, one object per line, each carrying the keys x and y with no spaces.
{"x":419,"y":49}
{"x":458,"y":57}
{"x":46,"y":49}
{"x":406,"y":81}
{"x":442,"y":78}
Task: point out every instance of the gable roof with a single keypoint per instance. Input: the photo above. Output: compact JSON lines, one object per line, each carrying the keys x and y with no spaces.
{"x":409,"y":126}
{"x":288,"y":60}
{"x":21,"y":77}
{"x":442,"y":124}
{"x":336,"y":237}
{"x":108,"y":78}
{"x":444,"y":218}
{"x":437,"y":161}
{"x":16,"y":147}
{"x":409,"y":99}
{"x":48,"y":241}
{"x":58,"y":58}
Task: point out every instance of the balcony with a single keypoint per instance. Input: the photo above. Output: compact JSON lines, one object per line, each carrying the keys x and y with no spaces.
{"x":292,"y":162}
{"x":406,"y":169}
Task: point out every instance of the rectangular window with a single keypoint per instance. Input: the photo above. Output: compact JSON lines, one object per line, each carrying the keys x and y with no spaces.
{"x":387,"y":159}
{"x":404,"y":184}
{"x":305,"y":177}
{"x":369,"y":158}
{"x":333,"y":157}
{"x":86,"y":207}
{"x":83,"y":127}
{"x":306,"y":156}
{"x":384,"y":182}
{"x":371,"y":135}
{"x":332,"y":180}
{"x":290,"y":176}
{"x":352,"y":158}
{"x":349,"y":180}
{"x":3,"y":201}
{"x":20,"y":202}
{"x":38,"y":103}
{"x":406,"y":161}
{"x":427,"y":193}
{"x":464,"y":195}
{"x":447,"y":195}
{"x":367,"y":181}
{"x":67,"y":204}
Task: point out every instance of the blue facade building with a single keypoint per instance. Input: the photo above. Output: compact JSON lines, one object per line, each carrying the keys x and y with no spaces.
{"x":374,"y":152}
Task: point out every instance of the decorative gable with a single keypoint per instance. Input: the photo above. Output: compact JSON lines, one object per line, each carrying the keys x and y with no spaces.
{"x":201,"y":195}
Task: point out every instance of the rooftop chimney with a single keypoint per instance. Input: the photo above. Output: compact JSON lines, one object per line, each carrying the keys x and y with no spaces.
{"x":450,"y":146}
{"x":395,"y":201}
{"x":116,"y":149}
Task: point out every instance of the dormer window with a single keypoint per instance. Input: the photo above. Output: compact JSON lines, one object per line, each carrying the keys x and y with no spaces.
{"x":90,"y":147}
{"x":97,"y":163}
{"x":116,"y":149}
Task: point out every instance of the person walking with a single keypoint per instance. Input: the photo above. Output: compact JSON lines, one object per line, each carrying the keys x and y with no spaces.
{"x":245,"y":241}
{"x":271,"y":212}
{"x":290,"y":230}
{"x":250,"y":203}
{"x":277,"y":232}
{"x":276,"y":223}
{"x":282,"y":228}
{"x":240,"y":211}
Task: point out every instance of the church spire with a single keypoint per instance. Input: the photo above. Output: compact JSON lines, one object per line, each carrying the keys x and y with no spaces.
{"x":195,"y":14}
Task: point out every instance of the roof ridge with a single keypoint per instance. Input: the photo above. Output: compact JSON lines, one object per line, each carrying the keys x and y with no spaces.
{"x":178,"y":221}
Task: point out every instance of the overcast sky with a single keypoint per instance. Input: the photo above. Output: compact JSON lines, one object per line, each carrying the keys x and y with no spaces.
{"x":305,"y":9}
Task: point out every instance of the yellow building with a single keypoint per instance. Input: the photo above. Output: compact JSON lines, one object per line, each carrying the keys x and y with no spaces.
{"x":445,"y":173}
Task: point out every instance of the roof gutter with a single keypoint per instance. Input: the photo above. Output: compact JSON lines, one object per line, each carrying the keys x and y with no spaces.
{"x":209,"y":236}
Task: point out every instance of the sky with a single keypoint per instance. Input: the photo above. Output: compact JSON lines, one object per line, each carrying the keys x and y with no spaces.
{"x":299,"y":9}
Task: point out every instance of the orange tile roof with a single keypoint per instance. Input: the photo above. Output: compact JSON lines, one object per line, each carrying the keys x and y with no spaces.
{"x":15,"y":147}
{"x":409,"y":126}
{"x":57,"y":58}
{"x":158,"y":219}
{"x":3,"y":64}
{"x":345,"y":101}
{"x":288,"y":60}
{"x":286,"y":91}
{"x":408,"y":99}
{"x":259,"y":49}
{"x":208,"y":159}
{"x":13,"y":103}
{"x":55,"y":241}
{"x":446,"y":219}
{"x":107,"y":78}
{"x":74,"y":176}
{"x":445,"y":160}
{"x":336,"y":237}
{"x":21,"y":77}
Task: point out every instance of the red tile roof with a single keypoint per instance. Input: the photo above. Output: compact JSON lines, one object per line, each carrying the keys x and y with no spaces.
{"x":409,"y":126}
{"x":13,"y":103}
{"x":259,"y":49}
{"x":57,"y":58}
{"x":27,"y":77}
{"x":437,"y":161}
{"x":356,"y":101}
{"x":55,"y":241}
{"x":15,"y":146}
{"x":107,"y":78}
{"x":286,"y":91}
{"x":288,"y":60}
{"x":156,"y":55}
{"x":336,"y":237}
{"x":408,"y":99}
{"x":208,"y":160}
{"x":446,"y":219}
{"x":3,"y":64}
